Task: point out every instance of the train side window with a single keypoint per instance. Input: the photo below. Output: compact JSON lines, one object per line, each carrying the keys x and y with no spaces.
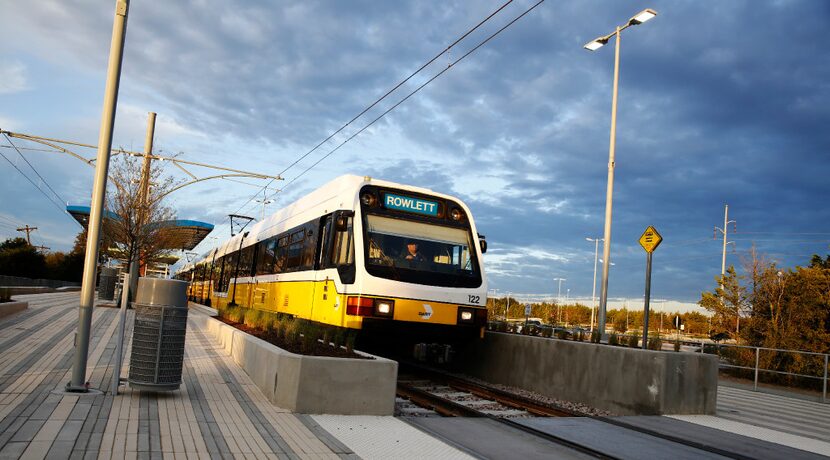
{"x":342,"y":254}
{"x":265,"y":256}
{"x":246,"y":260}
{"x":281,"y":255}
{"x":295,"y":250}
{"x":309,"y":247}
{"x":324,"y":244}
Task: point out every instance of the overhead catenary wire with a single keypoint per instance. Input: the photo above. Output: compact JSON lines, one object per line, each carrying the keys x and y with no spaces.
{"x":58,"y":206}
{"x":412,"y":93}
{"x":378,"y":100}
{"x":33,"y":169}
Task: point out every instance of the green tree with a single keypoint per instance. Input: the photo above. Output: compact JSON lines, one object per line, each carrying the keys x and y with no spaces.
{"x":18,"y":258}
{"x":727,"y":302}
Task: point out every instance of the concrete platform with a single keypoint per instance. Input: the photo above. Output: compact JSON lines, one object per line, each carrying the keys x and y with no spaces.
{"x":220,"y":413}
{"x":217,"y":413}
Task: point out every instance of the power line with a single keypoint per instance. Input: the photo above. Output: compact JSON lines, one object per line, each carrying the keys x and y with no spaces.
{"x":63,"y":211}
{"x":377,"y":101}
{"x":449,"y":66}
{"x":33,"y":169}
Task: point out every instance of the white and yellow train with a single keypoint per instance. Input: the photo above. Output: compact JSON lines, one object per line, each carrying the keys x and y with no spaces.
{"x":358,"y":253}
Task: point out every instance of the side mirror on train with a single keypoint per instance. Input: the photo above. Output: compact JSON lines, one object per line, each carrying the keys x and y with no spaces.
{"x":341,"y":222}
{"x":482,"y":242}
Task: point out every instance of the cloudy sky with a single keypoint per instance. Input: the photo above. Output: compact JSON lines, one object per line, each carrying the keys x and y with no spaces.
{"x":721,"y":102}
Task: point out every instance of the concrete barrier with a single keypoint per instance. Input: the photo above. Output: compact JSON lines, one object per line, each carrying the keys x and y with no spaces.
{"x":10,"y":308}
{"x":626,"y":381}
{"x":309,"y":384}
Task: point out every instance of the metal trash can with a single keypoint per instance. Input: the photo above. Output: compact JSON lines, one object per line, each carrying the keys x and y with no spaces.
{"x":106,"y":284}
{"x":158,"y":334}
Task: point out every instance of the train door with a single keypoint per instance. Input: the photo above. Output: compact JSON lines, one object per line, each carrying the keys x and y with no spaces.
{"x":325,"y":292}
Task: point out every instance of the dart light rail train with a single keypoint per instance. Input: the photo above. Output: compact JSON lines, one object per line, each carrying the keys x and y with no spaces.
{"x":357,"y":253}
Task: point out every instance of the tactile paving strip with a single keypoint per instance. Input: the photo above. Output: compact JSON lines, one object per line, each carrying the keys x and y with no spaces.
{"x":386,"y":437}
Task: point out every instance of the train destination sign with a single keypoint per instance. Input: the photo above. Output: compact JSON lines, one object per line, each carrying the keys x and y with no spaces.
{"x":650,"y":239}
{"x":411,"y":204}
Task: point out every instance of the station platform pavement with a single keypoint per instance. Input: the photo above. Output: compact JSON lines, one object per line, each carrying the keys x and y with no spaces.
{"x":219,"y":413}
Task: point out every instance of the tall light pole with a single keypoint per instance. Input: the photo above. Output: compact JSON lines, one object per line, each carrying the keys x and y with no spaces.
{"x":559,"y":300}
{"x":594,"y":45}
{"x":594,"y":286}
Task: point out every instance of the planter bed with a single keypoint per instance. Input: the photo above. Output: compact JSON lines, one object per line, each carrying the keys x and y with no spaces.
{"x":8,"y":308}
{"x":309,"y":384}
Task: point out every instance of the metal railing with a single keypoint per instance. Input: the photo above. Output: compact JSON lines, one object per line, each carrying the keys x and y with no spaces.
{"x":729,"y":361}
{"x":18,"y":281}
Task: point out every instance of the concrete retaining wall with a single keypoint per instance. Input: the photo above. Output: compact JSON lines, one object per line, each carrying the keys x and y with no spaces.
{"x":626,"y":381}
{"x":8,"y":308}
{"x":309,"y":384}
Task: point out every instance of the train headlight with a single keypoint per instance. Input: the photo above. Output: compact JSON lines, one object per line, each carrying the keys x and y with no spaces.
{"x":384,"y":307}
{"x":456,"y":214}
{"x":466,"y":315}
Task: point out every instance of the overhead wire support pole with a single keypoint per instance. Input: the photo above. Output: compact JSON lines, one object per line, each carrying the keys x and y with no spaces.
{"x":724,"y":230}
{"x":144,"y":193}
{"x":78,"y":382}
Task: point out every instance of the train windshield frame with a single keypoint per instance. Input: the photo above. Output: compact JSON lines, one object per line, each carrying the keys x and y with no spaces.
{"x":418,"y":247}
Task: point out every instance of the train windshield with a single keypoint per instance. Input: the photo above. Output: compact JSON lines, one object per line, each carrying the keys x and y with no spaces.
{"x":420,"y":253}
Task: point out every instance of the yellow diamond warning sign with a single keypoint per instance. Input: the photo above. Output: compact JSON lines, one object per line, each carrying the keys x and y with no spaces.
{"x":650,"y":239}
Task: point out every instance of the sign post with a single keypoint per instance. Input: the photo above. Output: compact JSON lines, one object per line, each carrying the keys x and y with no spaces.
{"x":527,"y":314}
{"x":649,"y":240}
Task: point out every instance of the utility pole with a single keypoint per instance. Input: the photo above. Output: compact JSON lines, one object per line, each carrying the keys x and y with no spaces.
{"x":594,"y":286}
{"x":726,"y":222}
{"x":78,"y":382}
{"x":559,"y":300}
{"x":28,"y":230}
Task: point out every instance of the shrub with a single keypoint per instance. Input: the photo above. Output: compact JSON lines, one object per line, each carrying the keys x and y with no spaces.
{"x":677,"y":346}
{"x":547,"y":331}
{"x":271,"y":324}
{"x":613,"y":339}
{"x":310,"y":333}
{"x":595,"y":337}
{"x":655,"y":343}
{"x":340,"y":337}
{"x":290,"y":330}
{"x":633,"y":341}
{"x":327,"y":334}
{"x":579,"y":336}
{"x":237,"y":314}
{"x":351,"y":338}
{"x":253,"y":318}
{"x":562,"y":334}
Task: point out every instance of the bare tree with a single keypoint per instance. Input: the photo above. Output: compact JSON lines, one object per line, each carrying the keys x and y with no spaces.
{"x":136,"y":234}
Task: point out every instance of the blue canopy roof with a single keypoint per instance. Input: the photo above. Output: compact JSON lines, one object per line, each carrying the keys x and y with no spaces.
{"x":184,"y":234}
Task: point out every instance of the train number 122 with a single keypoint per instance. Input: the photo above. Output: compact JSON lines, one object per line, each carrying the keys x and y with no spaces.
{"x":474,"y":298}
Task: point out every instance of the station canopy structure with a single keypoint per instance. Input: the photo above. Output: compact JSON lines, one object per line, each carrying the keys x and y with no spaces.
{"x":183,"y":234}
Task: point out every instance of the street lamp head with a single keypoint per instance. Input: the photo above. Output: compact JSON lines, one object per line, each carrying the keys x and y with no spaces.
{"x":596,"y":43}
{"x":642,"y":17}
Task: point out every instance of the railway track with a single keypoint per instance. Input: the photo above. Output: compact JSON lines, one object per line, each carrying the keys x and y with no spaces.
{"x":427,"y":392}
{"x":450,"y":396}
